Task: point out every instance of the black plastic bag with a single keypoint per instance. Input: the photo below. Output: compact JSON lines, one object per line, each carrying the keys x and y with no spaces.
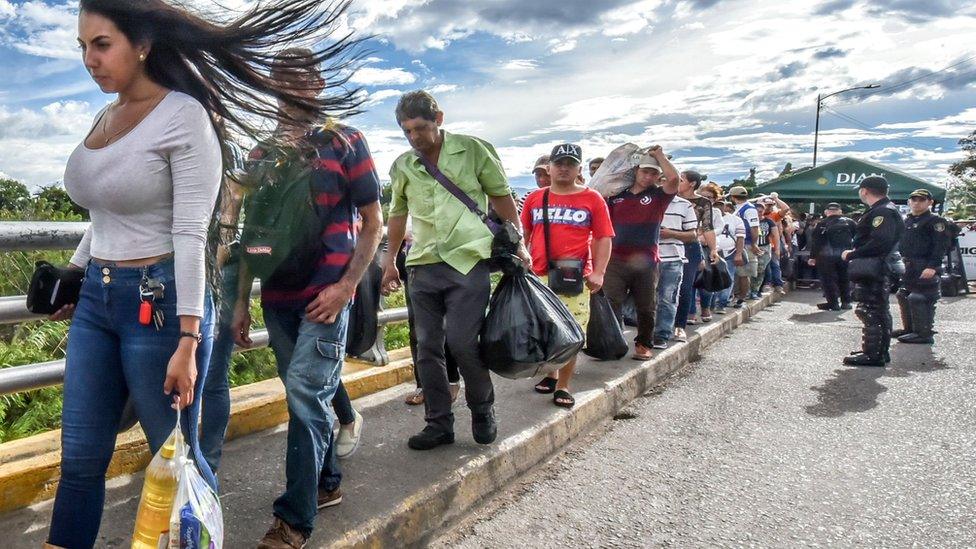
{"x":363,"y":317}
{"x":604,"y":338}
{"x":713,"y":278}
{"x":528,"y":332}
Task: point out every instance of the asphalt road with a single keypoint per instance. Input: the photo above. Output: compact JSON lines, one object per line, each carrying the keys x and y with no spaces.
{"x":768,"y":441}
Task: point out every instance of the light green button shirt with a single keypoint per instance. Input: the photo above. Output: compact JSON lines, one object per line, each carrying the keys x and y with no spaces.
{"x":444,"y":230}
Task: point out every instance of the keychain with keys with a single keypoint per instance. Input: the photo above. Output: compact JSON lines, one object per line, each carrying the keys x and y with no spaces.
{"x":150,"y":289}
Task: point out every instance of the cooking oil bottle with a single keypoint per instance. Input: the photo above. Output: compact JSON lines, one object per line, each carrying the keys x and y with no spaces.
{"x":158,"y":493}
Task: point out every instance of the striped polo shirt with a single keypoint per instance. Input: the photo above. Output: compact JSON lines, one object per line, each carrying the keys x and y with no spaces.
{"x":680,"y":216}
{"x":343,"y":179}
{"x":637,"y":223}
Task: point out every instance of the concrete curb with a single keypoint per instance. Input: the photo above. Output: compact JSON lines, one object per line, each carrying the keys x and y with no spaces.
{"x":420,"y":515}
{"x":30,"y":467}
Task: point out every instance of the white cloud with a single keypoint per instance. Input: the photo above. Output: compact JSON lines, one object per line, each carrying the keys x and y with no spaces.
{"x":7,"y":9}
{"x":442,"y":88}
{"x":561,"y":46}
{"x":520,"y":65}
{"x":372,"y":76}
{"x":380,"y":96}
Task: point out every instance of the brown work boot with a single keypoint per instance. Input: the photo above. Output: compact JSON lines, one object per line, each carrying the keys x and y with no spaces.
{"x":282,"y":536}
{"x":329,"y":499}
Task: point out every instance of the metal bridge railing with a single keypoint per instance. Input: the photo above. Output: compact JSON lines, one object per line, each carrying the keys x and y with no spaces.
{"x":30,"y":236}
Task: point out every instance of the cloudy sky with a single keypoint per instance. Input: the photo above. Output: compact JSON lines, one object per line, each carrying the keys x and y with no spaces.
{"x":723,"y":85}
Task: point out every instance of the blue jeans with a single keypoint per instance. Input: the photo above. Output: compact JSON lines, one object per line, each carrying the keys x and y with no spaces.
{"x":110,"y":357}
{"x":668,"y":286}
{"x":216,"y":389}
{"x":726,"y":295}
{"x":309,"y":356}
{"x":774,"y":273}
{"x":686,"y":296}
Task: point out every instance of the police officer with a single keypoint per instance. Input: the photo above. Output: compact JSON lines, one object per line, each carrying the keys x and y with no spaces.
{"x":833,"y":235}
{"x":924,"y":245}
{"x":878,"y":232}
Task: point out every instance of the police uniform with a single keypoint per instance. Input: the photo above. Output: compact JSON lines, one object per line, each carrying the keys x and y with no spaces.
{"x":877,"y":235}
{"x":831,"y":237}
{"x":923,"y":246}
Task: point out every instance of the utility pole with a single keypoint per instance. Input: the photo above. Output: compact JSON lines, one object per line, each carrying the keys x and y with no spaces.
{"x":820,"y":100}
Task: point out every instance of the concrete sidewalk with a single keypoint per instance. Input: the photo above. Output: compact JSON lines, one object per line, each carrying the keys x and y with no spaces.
{"x":394,"y":496}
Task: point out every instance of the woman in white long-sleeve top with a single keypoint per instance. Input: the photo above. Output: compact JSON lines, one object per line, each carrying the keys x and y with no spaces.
{"x":149,"y":171}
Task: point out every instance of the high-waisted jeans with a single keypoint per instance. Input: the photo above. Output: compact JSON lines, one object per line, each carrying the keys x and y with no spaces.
{"x":111,"y":357}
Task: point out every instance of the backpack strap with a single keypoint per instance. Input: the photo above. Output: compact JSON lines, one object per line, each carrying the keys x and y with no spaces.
{"x":545,"y":225}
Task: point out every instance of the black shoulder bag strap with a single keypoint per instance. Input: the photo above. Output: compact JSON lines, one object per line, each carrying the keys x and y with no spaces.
{"x":545,"y":226}
{"x":456,"y":191}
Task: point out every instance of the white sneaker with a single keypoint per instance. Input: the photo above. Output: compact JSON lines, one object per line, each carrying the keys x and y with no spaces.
{"x":347,"y":442}
{"x":680,"y":335}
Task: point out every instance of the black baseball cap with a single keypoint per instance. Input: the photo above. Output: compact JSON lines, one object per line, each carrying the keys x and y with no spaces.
{"x":833,"y":206}
{"x":923,"y":193}
{"x":567,"y":150}
{"x":875,"y":183}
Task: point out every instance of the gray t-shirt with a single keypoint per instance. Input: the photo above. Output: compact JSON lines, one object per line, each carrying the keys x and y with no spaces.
{"x":152,"y":192}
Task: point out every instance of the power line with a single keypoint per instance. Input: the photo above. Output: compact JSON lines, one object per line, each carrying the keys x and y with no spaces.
{"x":866,"y":126}
{"x":906,"y":84}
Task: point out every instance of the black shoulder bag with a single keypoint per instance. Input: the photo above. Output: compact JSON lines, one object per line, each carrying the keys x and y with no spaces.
{"x":52,"y":288}
{"x":505,"y":237}
{"x":565,"y":275}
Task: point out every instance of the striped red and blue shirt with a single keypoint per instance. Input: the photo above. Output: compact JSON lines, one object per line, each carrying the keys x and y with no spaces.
{"x":343,"y":179}
{"x":637,"y":223}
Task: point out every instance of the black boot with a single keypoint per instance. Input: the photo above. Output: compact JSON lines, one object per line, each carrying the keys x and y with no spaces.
{"x":923,"y":315}
{"x":484,"y":427}
{"x":905,"y":310}
{"x":429,"y":439}
{"x":864,"y":359}
{"x":828,"y":306}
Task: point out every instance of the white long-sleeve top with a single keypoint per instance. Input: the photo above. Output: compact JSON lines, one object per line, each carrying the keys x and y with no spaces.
{"x":152,"y":192}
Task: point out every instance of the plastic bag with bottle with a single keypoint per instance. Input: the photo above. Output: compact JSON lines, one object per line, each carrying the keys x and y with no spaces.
{"x":178,"y":509}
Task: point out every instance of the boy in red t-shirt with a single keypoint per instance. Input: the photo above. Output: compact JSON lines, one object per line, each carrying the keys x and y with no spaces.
{"x":579,"y":228}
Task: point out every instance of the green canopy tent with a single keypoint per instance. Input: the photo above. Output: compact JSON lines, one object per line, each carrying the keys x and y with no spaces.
{"x":838,"y":181}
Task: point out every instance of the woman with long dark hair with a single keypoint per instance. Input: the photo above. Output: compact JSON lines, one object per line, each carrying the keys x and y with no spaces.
{"x":149,"y":171}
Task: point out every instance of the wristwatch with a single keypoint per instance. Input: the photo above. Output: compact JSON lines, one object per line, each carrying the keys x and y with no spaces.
{"x":197,"y":336}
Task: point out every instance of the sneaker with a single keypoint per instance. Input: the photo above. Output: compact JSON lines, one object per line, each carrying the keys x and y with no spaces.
{"x":692,"y":320}
{"x":719,"y":310}
{"x":429,"y":438}
{"x":862,"y":359}
{"x":780,"y":290}
{"x":348,"y":440}
{"x":916,"y":339}
{"x":484,"y":428}
{"x":282,"y":536}
{"x":738,"y":304}
{"x":660,"y":343}
{"x":328,"y":498}
{"x":680,"y":335}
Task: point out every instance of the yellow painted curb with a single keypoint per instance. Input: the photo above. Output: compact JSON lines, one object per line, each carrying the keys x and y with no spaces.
{"x":30,"y":467}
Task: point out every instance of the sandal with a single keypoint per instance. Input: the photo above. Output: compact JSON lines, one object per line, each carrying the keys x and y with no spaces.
{"x":563,"y":399}
{"x":416,"y":398}
{"x":706,"y":318}
{"x":546,"y":386}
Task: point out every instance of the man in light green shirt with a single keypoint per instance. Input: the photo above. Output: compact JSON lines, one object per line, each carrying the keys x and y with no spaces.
{"x":447,"y":272}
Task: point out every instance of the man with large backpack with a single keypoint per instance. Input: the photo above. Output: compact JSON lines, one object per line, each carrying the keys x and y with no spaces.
{"x":299,"y":238}
{"x":446,"y":266}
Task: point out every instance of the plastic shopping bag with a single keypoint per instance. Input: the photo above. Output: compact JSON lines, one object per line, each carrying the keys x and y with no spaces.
{"x":617,"y":172}
{"x":604,"y":337}
{"x":528,"y":330}
{"x":196,"y":521}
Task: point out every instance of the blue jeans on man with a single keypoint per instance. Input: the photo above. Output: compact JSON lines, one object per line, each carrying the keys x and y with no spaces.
{"x":216,"y":388}
{"x":309,"y":357}
{"x":668,"y":286}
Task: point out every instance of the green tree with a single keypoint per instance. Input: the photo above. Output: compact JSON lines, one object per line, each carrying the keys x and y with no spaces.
{"x":961,"y":199}
{"x":14,"y":195}
{"x":749,"y":182}
{"x":56,"y":199}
